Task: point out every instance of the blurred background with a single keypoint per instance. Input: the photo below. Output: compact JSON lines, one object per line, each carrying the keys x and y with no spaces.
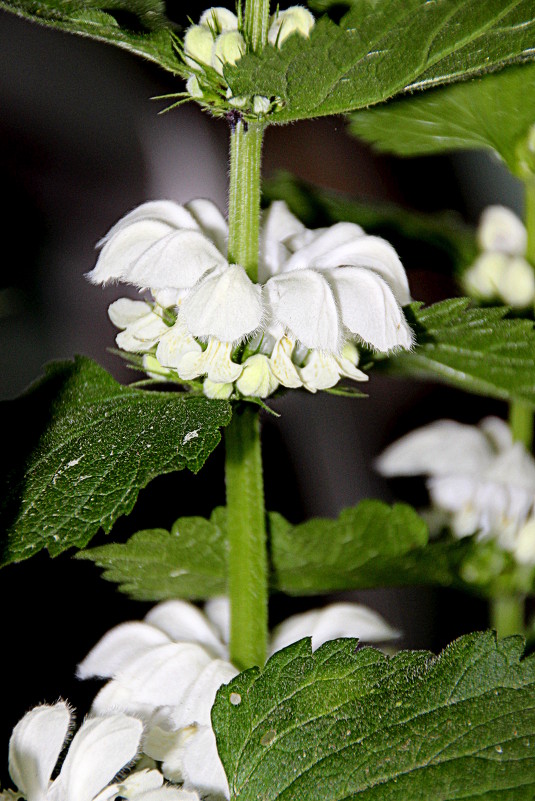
{"x":81,"y":144}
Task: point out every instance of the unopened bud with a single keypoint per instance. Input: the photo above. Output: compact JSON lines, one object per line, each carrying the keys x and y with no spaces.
{"x":229,"y":48}
{"x":217,"y":391}
{"x":516,"y":284}
{"x":483,"y":277}
{"x":295,"y":19}
{"x":219,"y":20}
{"x":261,"y":104}
{"x":257,"y":379}
{"x":193,"y":87}
{"x":198,"y":45}
{"x":500,"y":230}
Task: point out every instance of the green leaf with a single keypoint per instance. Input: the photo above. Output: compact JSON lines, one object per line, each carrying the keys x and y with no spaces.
{"x":139,"y":26}
{"x":87,"y":445}
{"x":190,"y":561}
{"x":315,"y":207}
{"x":479,"y":350}
{"x":383,"y":48}
{"x":343,"y":723}
{"x":467,"y":116}
{"x":370,"y":545}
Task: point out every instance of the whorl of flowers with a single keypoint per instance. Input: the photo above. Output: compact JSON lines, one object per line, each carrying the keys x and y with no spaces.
{"x":218,"y":40}
{"x":478,"y":477}
{"x":320,"y":293}
{"x":501,"y":272}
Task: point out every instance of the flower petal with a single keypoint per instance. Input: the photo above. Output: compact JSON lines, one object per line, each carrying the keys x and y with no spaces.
{"x":281,"y":363}
{"x":196,"y":706}
{"x":163,"y":675}
{"x":278,"y":224}
{"x":142,"y":334}
{"x":336,"y":620}
{"x":183,"y":622}
{"x":441,"y":448}
{"x":99,"y":750}
{"x":125,"y":312}
{"x":225,"y":304}
{"x":202,"y":767}
{"x":164,"y":211}
{"x":124,"y":248}
{"x":215,"y":362}
{"x":210,"y":220}
{"x":35,"y":746}
{"x":323,"y":241}
{"x":217,"y":610}
{"x":176,"y":260}
{"x":375,"y":254}
{"x":369,"y":308}
{"x":174,"y":344}
{"x":118,"y":647}
{"x":303,"y":302}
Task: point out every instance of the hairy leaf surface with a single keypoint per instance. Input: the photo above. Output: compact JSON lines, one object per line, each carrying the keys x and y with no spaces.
{"x":86,"y":448}
{"x":494,"y":112}
{"x":347,"y":723}
{"x":476,"y":349}
{"x":370,"y":545}
{"x":139,"y":26}
{"x":383,"y":48}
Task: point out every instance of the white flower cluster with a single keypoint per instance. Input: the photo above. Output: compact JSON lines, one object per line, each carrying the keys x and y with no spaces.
{"x":482,"y":480}
{"x":167,"y":669}
{"x":218,"y":40}
{"x":501,"y":272}
{"x":155,"y":712}
{"x":319,"y":293}
{"x":101,"y":748}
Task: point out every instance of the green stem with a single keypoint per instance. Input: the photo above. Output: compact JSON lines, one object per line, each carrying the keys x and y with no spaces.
{"x":248,"y":570}
{"x":256,"y":23}
{"x":244,"y":196}
{"x":507,"y":615}
{"x":529,"y":219}
{"x":521,"y":423}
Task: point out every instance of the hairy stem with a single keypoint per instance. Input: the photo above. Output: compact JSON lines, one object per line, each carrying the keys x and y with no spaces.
{"x":244,"y":196}
{"x":256,"y":23}
{"x":248,"y":571}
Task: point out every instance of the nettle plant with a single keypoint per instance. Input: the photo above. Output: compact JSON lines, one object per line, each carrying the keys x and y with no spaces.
{"x":205,"y":703}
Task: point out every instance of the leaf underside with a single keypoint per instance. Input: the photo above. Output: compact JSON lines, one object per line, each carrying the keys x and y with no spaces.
{"x":466,"y":116}
{"x":86,"y":446}
{"x":370,"y":545}
{"x":476,"y":349}
{"x":139,"y":26}
{"x":347,"y":723}
{"x":386,"y":48}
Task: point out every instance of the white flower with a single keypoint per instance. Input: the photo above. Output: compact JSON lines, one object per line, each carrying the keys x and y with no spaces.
{"x":319,"y":293}
{"x":477,"y":475}
{"x":167,"y":670}
{"x":98,"y":751}
{"x":501,"y":271}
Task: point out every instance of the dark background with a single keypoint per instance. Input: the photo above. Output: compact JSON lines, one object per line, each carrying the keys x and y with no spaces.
{"x":81,"y":144}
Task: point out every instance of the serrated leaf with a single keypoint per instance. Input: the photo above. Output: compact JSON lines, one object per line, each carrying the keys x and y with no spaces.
{"x":315,"y":207}
{"x":385,"y":48}
{"x":139,"y":26}
{"x":345,"y":724}
{"x":479,"y":350}
{"x":370,"y":545}
{"x":86,"y":448}
{"x":467,"y":116}
{"x":190,"y":561}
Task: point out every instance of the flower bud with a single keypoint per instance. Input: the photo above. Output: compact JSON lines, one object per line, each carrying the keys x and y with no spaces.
{"x":261,"y":104}
{"x":483,"y":277}
{"x":228,"y":49}
{"x":516,"y":283}
{"x":525,"y":544}
{"x":198,"y":45}
{"x":193,"y":87}
{"x":295,"y":19}
{"x":217,"y":391}
{"x":500,"y":230}
{"x":219,"y":20}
